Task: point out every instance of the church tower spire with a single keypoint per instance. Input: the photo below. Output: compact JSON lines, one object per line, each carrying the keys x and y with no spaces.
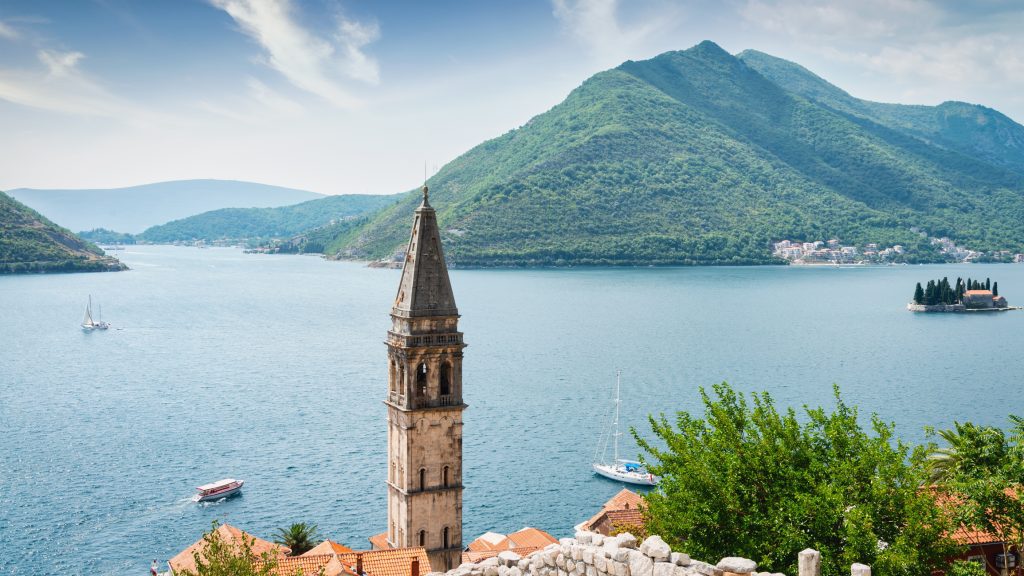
{"x":424,"y":402}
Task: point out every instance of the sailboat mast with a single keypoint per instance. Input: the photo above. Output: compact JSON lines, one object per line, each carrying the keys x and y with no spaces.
{"x":618,"y":375}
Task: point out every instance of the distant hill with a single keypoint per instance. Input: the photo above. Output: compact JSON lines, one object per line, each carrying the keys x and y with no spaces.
{"x":266,"y":223}
{"x":702,"y":157}
{"x":136,"y":208}
{"x":31,"y":243}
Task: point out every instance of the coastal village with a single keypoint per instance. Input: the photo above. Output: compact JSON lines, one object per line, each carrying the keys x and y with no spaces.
{"x":423,"y":535}
{"x":834,"y":252}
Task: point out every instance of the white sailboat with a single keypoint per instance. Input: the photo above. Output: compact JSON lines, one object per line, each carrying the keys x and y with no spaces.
{"x":628,"y":471}
{"x":88,"y":323}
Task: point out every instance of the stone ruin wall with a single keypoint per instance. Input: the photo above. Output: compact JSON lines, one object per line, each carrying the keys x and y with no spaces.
{"x":591,"y":554}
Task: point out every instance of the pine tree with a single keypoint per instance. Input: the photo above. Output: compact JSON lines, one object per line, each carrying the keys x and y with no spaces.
{"x":918,"y":294}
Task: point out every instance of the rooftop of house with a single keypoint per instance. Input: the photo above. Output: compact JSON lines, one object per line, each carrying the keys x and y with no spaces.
{"x":978,"y":293}
{"x":312,"y":565}
{"x":391,"y":562}
{"x":380,"y":541}
{"x":328,"y":547}
{"x":626,"y":499}
{"x":528,"y":537}
{"x":185,"y":560}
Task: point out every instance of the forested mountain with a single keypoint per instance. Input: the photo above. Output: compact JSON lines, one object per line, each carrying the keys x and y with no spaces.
{"x":701,"y":157}
{"x":266,"y":223}
{"x":136,"y":208}
{"x":31,"y":243}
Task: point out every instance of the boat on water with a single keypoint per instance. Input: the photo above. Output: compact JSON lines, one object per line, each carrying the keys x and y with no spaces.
{"x":89,"y":323}
{"x":628,"y":471}
{"x":217,"y":490}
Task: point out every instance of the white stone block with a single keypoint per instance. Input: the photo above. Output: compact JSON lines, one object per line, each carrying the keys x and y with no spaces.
{"x":736,"y":565}
{"x":860,"y":570}
{"x":679,"y":559}
{"x":809,"y":563}
{"x":640,"y":564}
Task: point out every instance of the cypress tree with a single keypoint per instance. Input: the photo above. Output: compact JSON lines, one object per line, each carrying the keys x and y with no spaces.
{"x":918,"y":294}
{"x":967,"y":286}
{"x":995,"y":288}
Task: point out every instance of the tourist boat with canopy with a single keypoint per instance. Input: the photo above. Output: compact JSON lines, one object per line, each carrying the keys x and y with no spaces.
{"x":217,"y":490}
{"x":628,"y":471}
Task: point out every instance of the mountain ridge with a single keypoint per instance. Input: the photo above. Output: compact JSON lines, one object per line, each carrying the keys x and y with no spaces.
{"x":132,"y":209}
{"x":696,"y":157}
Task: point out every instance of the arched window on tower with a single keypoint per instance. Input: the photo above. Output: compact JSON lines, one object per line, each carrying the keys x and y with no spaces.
{"x":423,"y":537}
{"x":444,"y":478}
{"x":393,"y":377}
{"x":421,"y":379}
{"x":423,"y":478}
{"x":446,"y":379}
{"x":445,"y":542}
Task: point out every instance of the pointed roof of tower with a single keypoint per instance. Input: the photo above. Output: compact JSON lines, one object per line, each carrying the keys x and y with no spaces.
{"x":425,"y":289}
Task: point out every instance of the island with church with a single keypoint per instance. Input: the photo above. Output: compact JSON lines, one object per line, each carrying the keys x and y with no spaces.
{"x":963,"y":296}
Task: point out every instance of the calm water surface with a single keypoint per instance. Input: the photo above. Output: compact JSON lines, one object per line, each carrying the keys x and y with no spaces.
{"x":273,"y":368}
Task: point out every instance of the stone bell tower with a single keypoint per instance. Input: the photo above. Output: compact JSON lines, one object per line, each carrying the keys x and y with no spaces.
{"x":424,"y":402}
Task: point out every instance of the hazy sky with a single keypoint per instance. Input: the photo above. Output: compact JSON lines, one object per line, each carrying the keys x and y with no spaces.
{"x":354,"y":96}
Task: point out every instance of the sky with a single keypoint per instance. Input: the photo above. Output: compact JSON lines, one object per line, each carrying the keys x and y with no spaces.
{"x":365,"y":96}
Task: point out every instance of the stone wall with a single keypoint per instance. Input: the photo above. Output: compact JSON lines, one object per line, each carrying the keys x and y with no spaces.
{"x":591,"y":554}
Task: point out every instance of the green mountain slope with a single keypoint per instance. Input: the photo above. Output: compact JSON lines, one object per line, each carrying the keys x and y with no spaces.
{"x":266,"y":223}
{"x":974,"y":130}
{"x":31,"y":243}
{"x":695,"y":157}
{"x":136,"y":208}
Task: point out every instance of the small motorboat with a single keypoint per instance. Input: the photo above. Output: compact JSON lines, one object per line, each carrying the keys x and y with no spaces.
{"x":217,"y":490}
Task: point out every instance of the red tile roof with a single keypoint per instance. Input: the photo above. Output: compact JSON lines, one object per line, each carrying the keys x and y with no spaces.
{"x":626,"y":499}
{"x":474,"y":557}
{"x":391,"y":562}
{"x":312,"y":565}
{"x":328,"y":547}
{"x":185,"y":560}
{"x":530,"y":537}
{"x":380,"y":541}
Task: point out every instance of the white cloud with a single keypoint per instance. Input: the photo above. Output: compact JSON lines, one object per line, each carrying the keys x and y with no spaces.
{"x":309,"y":62}
{"x":60,"y":86}
{"x":864,"y":19}
{"x":60,"y":64}
{"x":596,"y":24}
{"x":6,"y":31}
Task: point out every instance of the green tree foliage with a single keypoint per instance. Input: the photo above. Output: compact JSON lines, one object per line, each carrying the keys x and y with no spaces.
{"x":696,"y":157}
{"x":966,"y":568}
{"x":939,"y":292}
{"x":300,"y":537}
{"x":222,"y":558}
{"x":104,"y":236}
{"x":995,"y":288}
{"x":747,"y":480}
{"x":29,"y":243}
{"x":980,"y":472}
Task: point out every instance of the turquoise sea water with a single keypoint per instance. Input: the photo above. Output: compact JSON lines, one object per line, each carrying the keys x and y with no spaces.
{"x":273,"y":369}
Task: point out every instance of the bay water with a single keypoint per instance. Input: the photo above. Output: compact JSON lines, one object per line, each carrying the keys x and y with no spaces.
{"x":273,"y":369}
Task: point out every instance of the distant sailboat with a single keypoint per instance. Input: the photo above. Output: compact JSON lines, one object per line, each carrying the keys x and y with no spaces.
{"x":628,"y":471}
{"x":88,"y":323}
